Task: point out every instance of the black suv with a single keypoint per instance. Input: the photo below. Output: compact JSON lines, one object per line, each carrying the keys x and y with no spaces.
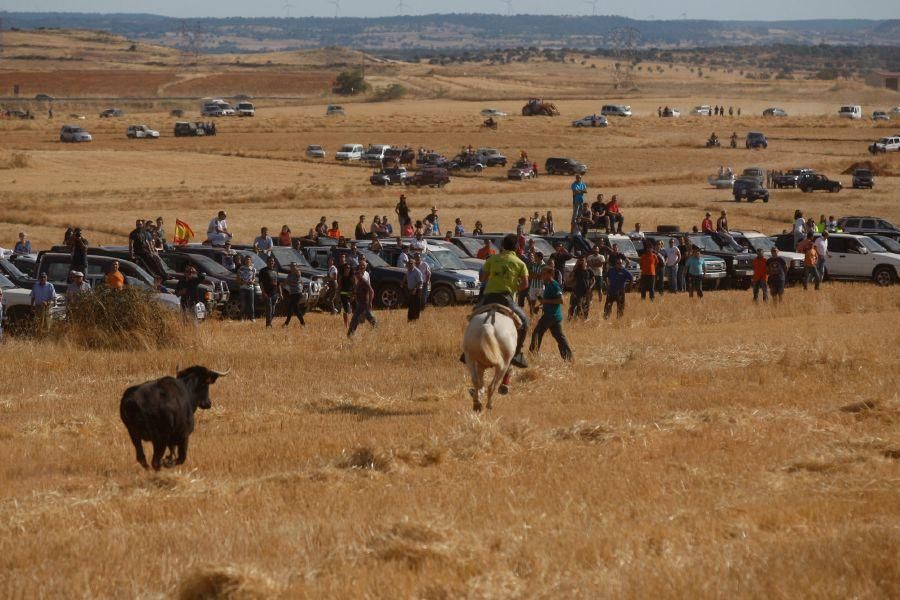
{"x":863,"y":178}
{"x":432,"y":177}
{"x":187,"y":129}
{"x":756,"y":140}
{"x":810,"y":182}
{"x":738,"y":265}
{"x":750,"y":190}
{"x":564,"y":166}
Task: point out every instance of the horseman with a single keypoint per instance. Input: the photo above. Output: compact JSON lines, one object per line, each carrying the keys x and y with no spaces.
{"x":505,"y":275}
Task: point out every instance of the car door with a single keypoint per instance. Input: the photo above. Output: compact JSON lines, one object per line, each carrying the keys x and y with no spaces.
{"x":845,"y":258}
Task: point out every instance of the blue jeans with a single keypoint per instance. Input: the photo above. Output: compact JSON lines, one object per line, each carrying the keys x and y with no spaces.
{"x":820,"y":267}
{"x":761,"y":284}
{"x":576,"y":211}
{"x":682,"y":277}
{"x":672,"y":274}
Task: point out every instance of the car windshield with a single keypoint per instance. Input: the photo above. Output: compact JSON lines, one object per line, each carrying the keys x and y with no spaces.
{"x":447,"y":260}
{"x":863,"y":173}
{"x":374,"y":259}
{"x":314,"y":147}
{"x":347,"y":148}
{"x":286,"y":255}
{"x":12,"y":269}
{"x":706,"y":243}
{"x":211,"y":267}
{"x":471,"y":245}
{"x":626,"y":246}
{"x":891,"y":245}
{"x":454,"y":249}
{"x":758,"y":243}
{"x":542,"y":245}
{"x":5,"y":283}
{"x":871,"y":245}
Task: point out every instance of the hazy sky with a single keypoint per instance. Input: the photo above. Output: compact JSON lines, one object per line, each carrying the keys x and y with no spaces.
{"x":657,"y":9}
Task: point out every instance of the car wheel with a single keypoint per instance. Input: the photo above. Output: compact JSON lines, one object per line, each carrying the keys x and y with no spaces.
{"x":765,"y":200}
{"x":442,"y":296}
{"x":478,"y":168}
{"x":884,"y":276}
{"x":389,"y":296}
{"x":232,"y":310}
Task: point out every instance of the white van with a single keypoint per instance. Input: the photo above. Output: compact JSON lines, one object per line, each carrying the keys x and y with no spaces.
{"x":616,"y":110}
{"x":851,"y":111}
{"x":350,"y":152}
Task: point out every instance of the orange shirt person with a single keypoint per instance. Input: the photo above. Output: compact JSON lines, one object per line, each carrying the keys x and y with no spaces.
{"x":114,"y":278}
{"x":486,"y":251}
{"x":335,"y":231}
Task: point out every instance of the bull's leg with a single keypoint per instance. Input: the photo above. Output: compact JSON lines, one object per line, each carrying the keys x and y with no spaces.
{"x":169,"y":460}
{"x":138,"y":449}
{"x":476,"y":373}
{"x":182,"y":451}
{"x":159,"y":448}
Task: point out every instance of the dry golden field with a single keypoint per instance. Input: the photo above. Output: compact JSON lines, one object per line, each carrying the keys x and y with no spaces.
{"x":694,"y":449}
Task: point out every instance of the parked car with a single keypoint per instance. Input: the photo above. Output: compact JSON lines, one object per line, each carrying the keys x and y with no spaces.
{"x":188,"y":129}
{"x":521,"y":170}
{"x":492,"y":112}
{"x":753,"y":173}
{"x":57,"y":266}
{"x":880,"y":115}
{"x":790,"y":179}
{"x":23,"y":278}
{"x":141,"y":132}
{"x":774,"y":112}
{"x":863,"y":178}
{"x":860,"y":257}
{"x":18,"y":309}
{"x":433,"y":159}
{"x":430,"y":176}
{"x":810,"y":182}
{"x":564,"y":166}
{"x":392,"y":176}
{"x":472,"y":263}
{"x":615,"y":110}
{"x":334,"y":110}
{"x":245,"y":109}
{"x":715,"y":269}
{"x":670,"y":112}
{"x":73,"y":133}
{"x":591,"y":121}
{"x":738,"y":265}
{"x":701,"y":111}
{"x":315,"y":151}
{"x":886,"y":144}
{"x":850,"y":111}
{"x":216,"y":108}
{"x":349,"y":152}
{"x":756,"y":140}
{"x":451,"y":282}
{"x":750,"y":190}
{"x":387,"y":281}
{"x":889,"y":244}
{"x":490,"y":157}
{"x":111,"y":112}
{"x":374,"y":154}
{"x":44,"y":98}
{"x":867,"y":225}
{"x":466,"y":162}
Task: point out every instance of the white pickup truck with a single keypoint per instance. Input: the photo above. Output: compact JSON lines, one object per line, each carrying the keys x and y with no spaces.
{"x":141,"y":132}
{"x":17,"y":304}
{"x":886,"y":144}
{"x":350,"y":152}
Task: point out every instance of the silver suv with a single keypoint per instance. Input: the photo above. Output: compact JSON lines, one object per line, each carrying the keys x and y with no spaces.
{"x":73,"y":133}
{"x":867,"y":225}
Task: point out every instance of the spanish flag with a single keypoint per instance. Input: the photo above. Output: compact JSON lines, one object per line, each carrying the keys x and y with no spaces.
{"x":183,"y":233}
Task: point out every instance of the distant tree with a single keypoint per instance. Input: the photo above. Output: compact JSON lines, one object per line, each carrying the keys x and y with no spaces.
{"x":350,"y":83}
{"x":392,"y":92}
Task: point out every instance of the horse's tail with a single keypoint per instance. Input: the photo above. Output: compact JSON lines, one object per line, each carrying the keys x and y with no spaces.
{"x":490,"y":348}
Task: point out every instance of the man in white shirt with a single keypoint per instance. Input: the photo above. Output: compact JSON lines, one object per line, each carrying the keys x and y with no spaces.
{"x":403,"y":259}
{"x":673,"y":257}
{"x":637,"y":234}
{"x":263,"y":242}
{"x":821,"y":245}
{"x":217,"y":231}
{"x":418,"y":245}
{"x":425,"y":268}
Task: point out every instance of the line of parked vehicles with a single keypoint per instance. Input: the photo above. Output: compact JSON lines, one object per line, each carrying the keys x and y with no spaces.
{"x":867,"y":248}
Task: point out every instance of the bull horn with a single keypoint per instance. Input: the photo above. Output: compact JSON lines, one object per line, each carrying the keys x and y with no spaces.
{"x":222,"y":373}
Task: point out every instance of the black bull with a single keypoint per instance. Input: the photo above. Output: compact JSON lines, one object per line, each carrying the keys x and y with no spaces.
{"x":162,"y":412}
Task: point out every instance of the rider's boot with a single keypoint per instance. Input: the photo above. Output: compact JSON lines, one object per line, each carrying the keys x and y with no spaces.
{"x":518,"y":359}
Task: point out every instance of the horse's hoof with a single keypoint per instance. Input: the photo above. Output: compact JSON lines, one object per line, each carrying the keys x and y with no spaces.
{"x":472,"y":393}
{"x":476,"y":406}
{"x":503,"y":390}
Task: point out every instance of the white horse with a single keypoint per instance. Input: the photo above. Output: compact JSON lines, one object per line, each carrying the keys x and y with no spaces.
{"x":489,"y":342}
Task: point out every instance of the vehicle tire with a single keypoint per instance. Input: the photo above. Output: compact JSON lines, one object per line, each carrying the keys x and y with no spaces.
{"x":550,"y":172}
{"x":765,"y":200}
{"x":579,"y":125}
{"x":389,"y":296}
{"x":478,"y":168}
{"x":884,"y":276}
{"x":232,"y":310}
{"x":668,"y":229}
{"x":442,"y":296}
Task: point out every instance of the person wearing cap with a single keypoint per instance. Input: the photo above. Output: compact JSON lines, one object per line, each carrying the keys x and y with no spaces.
{"x":217,"y":230}
{"x":433,"y":226}
{"x":77,"y":287}
{"x":23,"y":246}
{"x":188,"y":290}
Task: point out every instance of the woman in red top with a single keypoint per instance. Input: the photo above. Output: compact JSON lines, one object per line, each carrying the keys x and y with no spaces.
{"x":707,"y":225}
{"x":284,"y":238}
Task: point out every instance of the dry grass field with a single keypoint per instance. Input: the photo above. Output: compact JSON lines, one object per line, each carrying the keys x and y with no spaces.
{"x":694,"y":449}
